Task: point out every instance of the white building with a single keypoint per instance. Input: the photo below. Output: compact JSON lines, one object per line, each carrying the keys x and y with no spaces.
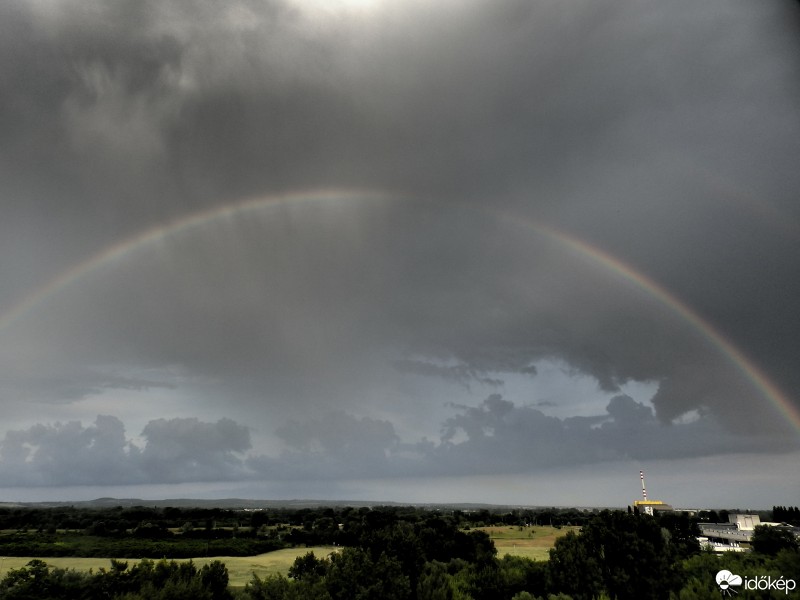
{"x":733,"y":536}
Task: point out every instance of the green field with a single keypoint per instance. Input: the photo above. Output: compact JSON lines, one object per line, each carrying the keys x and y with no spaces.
{"x":240,"y":568}
{"x":531,"y":542}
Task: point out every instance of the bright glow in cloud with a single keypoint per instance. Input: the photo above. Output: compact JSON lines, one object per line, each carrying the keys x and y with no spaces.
{"x":338,"y":8}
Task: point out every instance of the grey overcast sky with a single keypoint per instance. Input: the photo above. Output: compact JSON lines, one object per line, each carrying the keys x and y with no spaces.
{"x":452,"y":251}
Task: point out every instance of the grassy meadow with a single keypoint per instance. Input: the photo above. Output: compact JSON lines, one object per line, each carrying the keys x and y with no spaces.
{"x":531,"y":542}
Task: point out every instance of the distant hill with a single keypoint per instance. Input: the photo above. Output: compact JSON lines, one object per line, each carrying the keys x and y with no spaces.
{"x":239,"y":503}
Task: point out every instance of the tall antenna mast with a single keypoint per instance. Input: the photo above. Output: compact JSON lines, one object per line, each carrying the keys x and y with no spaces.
{"x":644,"y":491}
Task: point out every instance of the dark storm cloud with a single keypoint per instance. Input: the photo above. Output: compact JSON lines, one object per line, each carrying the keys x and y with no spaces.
{"x":502,"y":437}
{"x":460,"y":374}
{"x":665,"y":134}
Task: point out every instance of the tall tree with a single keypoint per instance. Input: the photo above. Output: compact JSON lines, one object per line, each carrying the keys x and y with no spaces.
{"x":626,"y":556}
{"x":771,"y":540}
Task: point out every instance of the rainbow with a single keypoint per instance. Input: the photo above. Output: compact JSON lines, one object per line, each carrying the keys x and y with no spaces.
{"x":744,"y":364}
{"x":112,"y":255}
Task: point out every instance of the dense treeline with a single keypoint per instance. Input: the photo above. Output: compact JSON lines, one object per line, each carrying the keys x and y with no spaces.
{"x":786,"y":514}
{"x":114,"y":519}
{"x":44,"y":545}
{"x":616,"y":555}
{"x":140,"y":531}
{"x":395,"y":553}
{"x":145,"y":581}
{"x":118,"y":519}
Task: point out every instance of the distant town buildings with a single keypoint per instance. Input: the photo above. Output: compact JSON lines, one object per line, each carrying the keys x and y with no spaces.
{"x":735,"y":535}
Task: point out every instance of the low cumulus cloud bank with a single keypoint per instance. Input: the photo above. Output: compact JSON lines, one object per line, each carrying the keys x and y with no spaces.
{"x":175,"y":450}
{"x":494,"y":437}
